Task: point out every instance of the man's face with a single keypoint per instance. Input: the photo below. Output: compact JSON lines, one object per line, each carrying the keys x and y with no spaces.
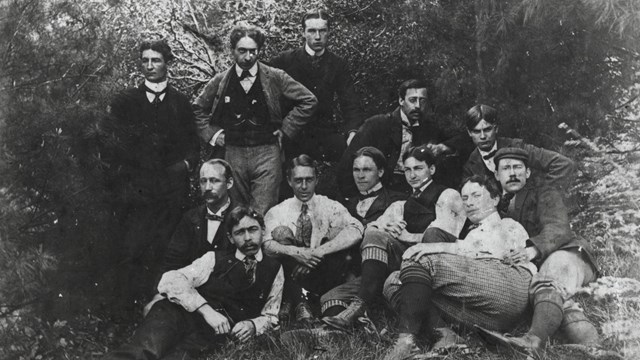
{"x":214,"y":185}
{"x":512,"y":174}
{"x":316,"y":33}
{"x":477,"y":201}
{"x":246,"y":53}
{"x":247,"y":236}
{"x":484,"y":135}
{"x":417,"y":172}
{"x":365,"y":173}
{"x":414,"y":104}
{"x":153,"y":65}
{"x":303,"y":182}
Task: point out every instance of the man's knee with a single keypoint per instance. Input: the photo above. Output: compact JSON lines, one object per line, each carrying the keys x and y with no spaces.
{"x":376,"y":238}
{"x":565,"y":271}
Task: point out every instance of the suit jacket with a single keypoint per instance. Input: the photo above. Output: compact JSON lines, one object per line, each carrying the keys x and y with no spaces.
{"x":384,"y":132}
{"x":331,"y":77}
{"x":146,"y":145}
{"x":278,"y":88}
{"x":542,"y":212}
{"x":556,"y":170}
{"x":189,"y":241}
{"x":377,"y":208}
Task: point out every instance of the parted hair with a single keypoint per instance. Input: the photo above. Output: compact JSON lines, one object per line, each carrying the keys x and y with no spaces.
{"x":238,"y":213}
{"x":489,"y":183}
{"x":228,"y":171}
{"x":301,"y":160}
{"x":410,"y":84}
{"x":316,"y":14}
{"x":420,"y":153}
{"x":160,"y":46}
{"x":246,"y":30}
{"x":481,"y":112}
{"x":376,"y":155}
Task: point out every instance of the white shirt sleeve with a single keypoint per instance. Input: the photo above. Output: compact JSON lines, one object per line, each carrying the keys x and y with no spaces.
{"x":179,"y":286}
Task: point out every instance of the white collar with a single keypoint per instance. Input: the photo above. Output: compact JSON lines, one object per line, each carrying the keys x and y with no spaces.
{"x":253,"y":70}
{"x":298,"y":204}
{"x":240,"y":255}
{"x":493,"y":148}
{"x":311,"y":52}
{"x":157,"y":87}
{"x":423,"y":187}
{"x":222,"y":208}
{"x":375,"y":187}
{"x":405,"y":119}
{"x":492,"y":218}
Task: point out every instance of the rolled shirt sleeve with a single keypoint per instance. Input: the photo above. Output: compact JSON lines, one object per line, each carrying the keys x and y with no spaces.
{"x":268,"y":318}
{"x":179,"y":286}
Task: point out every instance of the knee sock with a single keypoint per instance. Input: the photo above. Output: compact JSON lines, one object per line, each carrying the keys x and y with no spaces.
{"x":415,"y":298}
{"x":547,"y":314}
{"x":333,"y":310}
{"x":374,"y":273}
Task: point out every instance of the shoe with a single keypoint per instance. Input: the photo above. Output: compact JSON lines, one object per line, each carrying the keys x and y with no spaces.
{"x":527,"y":344}
{"x":348,"y":317}
{"x":304,"y":313}
{"x":285,"y":311}
{"x":405,"y":348}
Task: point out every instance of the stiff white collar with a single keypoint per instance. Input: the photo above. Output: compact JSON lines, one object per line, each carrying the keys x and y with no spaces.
{"x":253,"y":70}
{"x":375,"y":187}
{"x":157,"y":87}
{"x":311,"y":52}
{"x":240,"y":255}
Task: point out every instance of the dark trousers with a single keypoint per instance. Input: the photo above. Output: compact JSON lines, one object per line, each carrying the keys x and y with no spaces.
{"x":168,"y":332}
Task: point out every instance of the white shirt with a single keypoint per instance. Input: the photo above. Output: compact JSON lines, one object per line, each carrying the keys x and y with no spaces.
{"x":247,"y":82}
{"x":363,"y":205}
{"x":214,"y":225}
{"x":489,"y":163}
{"x":311,"y":52}
{"x":157,"y":87}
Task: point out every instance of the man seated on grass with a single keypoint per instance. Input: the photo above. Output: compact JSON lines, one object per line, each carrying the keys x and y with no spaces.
{"x":401,"y":226}
{"x":219,"y":296}
{"x":312,"y":235}
{"x":464,"y":280}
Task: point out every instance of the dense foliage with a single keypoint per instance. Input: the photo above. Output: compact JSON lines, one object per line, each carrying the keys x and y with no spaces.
{"x":540,"y":62}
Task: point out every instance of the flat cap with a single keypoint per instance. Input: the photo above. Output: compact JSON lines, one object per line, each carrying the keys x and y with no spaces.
{"x":511,"y":153}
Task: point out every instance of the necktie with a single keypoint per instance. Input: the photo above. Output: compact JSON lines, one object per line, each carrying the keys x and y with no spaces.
{"x":416,"y":194}
{"x":503,"y":205}
{"x":489,"y":155}
{"x":303,"y":235}
{"x":215,"y":217}
{"x":245,"y":74}
{"x":250,"y":263}
{"x":156,"y":99}
{"x":371,"y":194}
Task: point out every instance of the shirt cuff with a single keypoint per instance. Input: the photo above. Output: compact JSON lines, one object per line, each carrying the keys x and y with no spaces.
{"x":213,"y":140}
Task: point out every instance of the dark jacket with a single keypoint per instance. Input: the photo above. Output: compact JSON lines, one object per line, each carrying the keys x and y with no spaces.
{"x":146,"y":146}
{"x":331,"y":79}
{"x":377,"y":208}
{"x":384,"y":132}
{"x":278,"y":87}
{"x":556,"y":170}
{"x":189,"y":241}
{"x":542,"y":212}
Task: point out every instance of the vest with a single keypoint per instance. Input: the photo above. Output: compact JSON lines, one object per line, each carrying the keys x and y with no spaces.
{"x":421,"y":211}
{"x":245,"y":116}
{"x":229,"y":289}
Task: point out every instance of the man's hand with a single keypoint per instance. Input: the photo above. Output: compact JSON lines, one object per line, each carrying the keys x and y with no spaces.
{"x":521,"y":256}
{"x":243,"y":331}
{"x":307,"y":257}
{"x":417,"y":251}
{"x":279,"y":134}
{"x":350,"y":137}
{"x":394,"y":228}
{"x":299,"y":272}
{"x":438,"y":149}
{"x":218,"y":322}
{"x":220,"y":140}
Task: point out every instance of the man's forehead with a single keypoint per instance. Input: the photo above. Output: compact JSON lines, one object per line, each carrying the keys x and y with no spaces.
{"x":212,"y":170}
{"x":419,"y":92}
{"x":246,"y":43}
{"x":507,"y":161}
{"x":316,"y":23}
{"x":151,"y":54}
{"x":483,"y":125}
{"x":472,"y":187}
{"x":246,"y":222}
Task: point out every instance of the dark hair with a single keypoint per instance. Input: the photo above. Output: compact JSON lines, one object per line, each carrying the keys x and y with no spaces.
{"x":410,"y":84}
{"x":420,"y":153}
{"x":228,"y":172}
{"x":481,"y":112}
{"x":489,"y":183}
{"x":160,"y":46}
{"x":245,"y":30}
{"x":376,"y":155}
{"x":302,"y":160}
{"x":316,"y":14}
{"x":240,"y":212}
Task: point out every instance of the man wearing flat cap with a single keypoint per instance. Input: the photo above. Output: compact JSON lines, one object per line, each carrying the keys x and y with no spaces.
{"x":564,"y":263}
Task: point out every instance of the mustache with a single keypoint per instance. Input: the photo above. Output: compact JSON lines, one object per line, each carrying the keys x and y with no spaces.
{"x":513,"y":180}
{"x":209,"y":195}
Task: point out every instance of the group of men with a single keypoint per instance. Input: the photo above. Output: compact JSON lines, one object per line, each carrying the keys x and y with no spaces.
{"x":393,"y":228}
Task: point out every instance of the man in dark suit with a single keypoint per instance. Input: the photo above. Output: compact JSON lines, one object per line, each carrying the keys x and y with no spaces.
{"x":328,"y":76}
{"x":240,"y":110}
{"x":151,"y":147}
{"x":563,"y":259}
{"x":482,"y":125}
{"x":396,"y":132}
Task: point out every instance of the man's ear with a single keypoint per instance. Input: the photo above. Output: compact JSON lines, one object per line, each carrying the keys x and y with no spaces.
{"x":229,"y":183}
{"x":432,"y":169}
{"x":528,"y":173}
{"x":380,"y":173}
{"x":229,"y":237}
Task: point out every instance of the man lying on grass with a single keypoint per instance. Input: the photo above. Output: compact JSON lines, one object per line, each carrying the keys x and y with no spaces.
{"x":464,"y":280}
{"x":219,"y":296}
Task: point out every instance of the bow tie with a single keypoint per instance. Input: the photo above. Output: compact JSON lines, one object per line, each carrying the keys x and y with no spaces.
{"x":215,"y":217}
{"x":156,"y":99}
{"x":369,"y":195}
{"x":245,"y":74}
{"x":489,"y":155}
